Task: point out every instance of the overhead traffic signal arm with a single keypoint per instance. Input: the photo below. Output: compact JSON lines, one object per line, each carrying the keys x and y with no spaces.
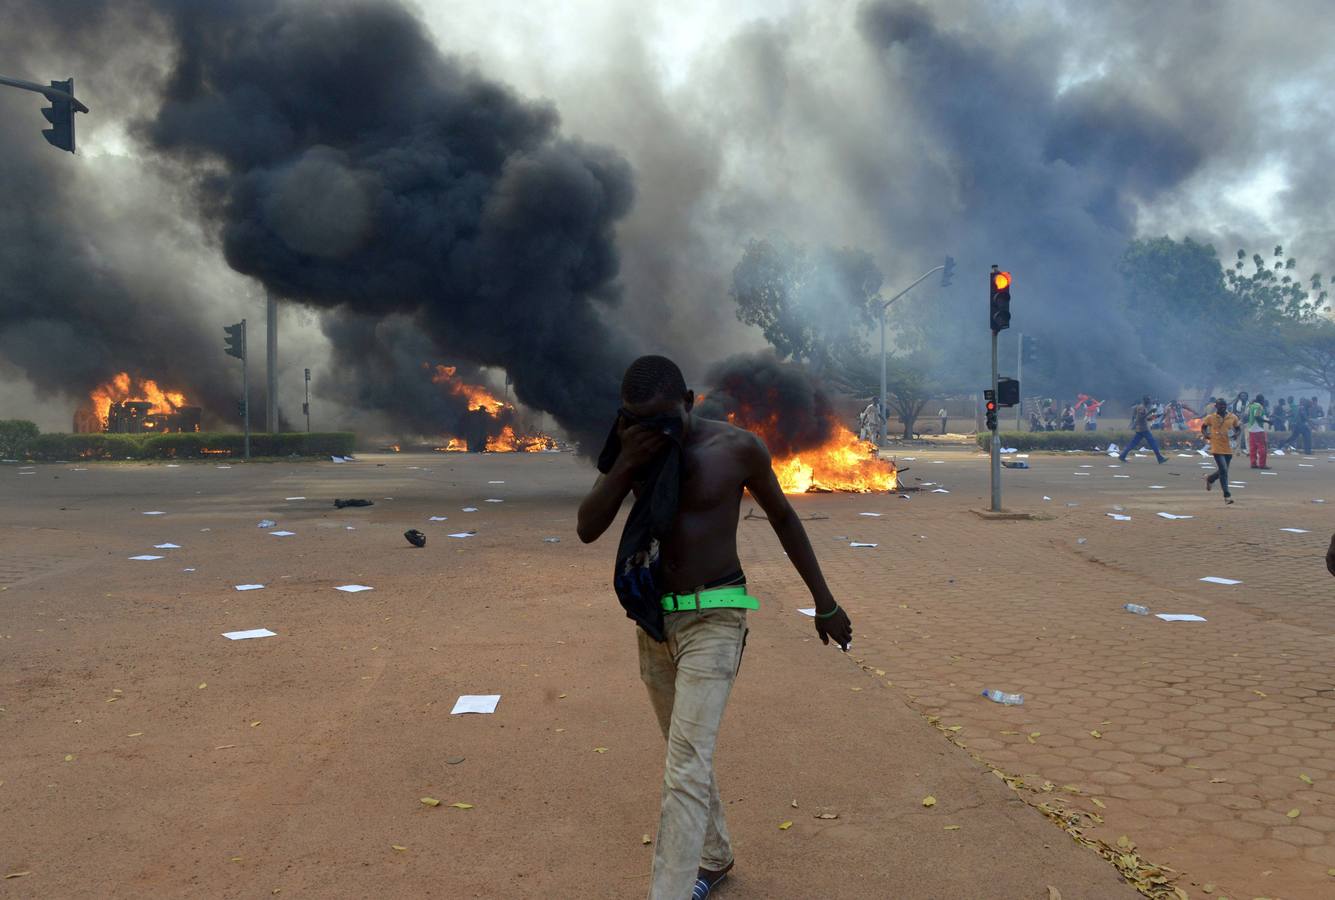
{"x":61,"y":111}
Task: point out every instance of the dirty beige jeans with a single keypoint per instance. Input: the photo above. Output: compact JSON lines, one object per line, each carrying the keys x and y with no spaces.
{"x":689,"y":678}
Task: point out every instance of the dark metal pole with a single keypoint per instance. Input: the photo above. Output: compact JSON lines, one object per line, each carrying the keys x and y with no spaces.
{"x":245,"y":386}
{"x":271,"y":399}
{"x":996,"y":442}
{"x":307,"y":404}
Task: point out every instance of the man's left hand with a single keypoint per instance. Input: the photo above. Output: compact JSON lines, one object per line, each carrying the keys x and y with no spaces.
{"x":836,"y":627}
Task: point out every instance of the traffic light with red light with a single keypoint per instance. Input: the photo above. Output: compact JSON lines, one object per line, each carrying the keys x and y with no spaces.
{"x":991,"y":398}
{"x":1000,"y":305}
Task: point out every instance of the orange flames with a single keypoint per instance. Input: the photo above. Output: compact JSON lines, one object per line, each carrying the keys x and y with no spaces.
{"x":843,"y":463}
{"x":508,"y":442}
{"x":122,"y":387}
{"x":477,"y":396}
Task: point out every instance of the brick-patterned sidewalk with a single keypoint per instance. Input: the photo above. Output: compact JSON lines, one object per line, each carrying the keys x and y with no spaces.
{"x":1210,"y":745}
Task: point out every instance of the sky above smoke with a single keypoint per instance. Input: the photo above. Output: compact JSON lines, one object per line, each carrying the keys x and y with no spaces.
{"x":512,"y":178}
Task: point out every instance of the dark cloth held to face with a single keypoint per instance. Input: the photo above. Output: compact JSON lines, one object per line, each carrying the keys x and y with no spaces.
{"x":638,"y":561}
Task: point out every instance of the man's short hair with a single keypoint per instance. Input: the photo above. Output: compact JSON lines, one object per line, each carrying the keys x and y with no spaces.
{"x":652,"y":377}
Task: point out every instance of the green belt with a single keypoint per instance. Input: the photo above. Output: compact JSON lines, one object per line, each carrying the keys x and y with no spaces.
{"x":731,"y":597}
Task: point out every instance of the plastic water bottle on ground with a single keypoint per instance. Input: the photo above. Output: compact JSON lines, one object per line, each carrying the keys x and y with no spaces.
{"x":1137,"y":609}
{"x":1003,"y":698}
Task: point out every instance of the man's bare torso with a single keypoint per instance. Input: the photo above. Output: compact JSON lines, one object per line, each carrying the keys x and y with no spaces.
{"x":716,"y":462}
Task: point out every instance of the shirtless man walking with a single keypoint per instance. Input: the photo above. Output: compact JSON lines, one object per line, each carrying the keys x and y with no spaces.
{"x":691,"y":650}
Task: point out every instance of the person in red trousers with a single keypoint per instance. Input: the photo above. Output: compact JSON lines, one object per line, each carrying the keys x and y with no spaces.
{"x":1256,"y":425}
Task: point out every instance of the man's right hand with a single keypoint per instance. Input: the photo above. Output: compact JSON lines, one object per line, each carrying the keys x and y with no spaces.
{"x":639,"y":445}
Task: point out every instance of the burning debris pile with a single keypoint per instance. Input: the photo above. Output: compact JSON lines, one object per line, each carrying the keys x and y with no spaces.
{"x":488,"y":425}
{"x":782,"y":404}
{"x":127,"y":405}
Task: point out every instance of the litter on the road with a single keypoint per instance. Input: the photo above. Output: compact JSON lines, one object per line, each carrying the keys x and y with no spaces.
{"x":463,"y":534}
{"x":1017,"y":464}
{"x":1215,"y":580}
{"x":282,"y":533}
{"x":495,"y":501}
{"x":1179,"y":617}
{"x":808,"y":612}
{"x":266,"y":523}
{"x":1300,"y":465}
{"x":249,"y":587}
{"x":145,"y":557}
{"x":495,"y":482}
{"x":1156,"y":487}
{"x":1118,"y":517}
{"x":415,"y":537}
{"x":353,"y":588}
{"x":1295,"y":530}
{"x":294,"y":498}
{"x":1045,"y":497}
{"x":1121,"y":476}
{"x":166,"y":546}
{"x":475,"y":703}
{"x":871,"y":515}
{"x":1003,"y":698}
{"x":861,"y":544}
{"x":1168,"y":515}
{"x":470,"y":509}
{"x":940,"y":491}
{"x":340,"y":503}
{"x":155,"y":512}
{"x":551,"y":540}
{"x":437,"y":518}
{"x":247,"y":635}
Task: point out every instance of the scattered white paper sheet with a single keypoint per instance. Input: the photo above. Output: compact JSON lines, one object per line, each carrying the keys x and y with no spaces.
{"x":265,"y":523}
{"x":155,"y":512}
{"x":169,"y":465}
{"x":166,"y":546}
{"x":187,"y":570}
{"x":1118,"y":517}
{"x":935,"y":462}
{"x":294,"y":498}
{"x":337,"y":459}
{"x":861,"y":544}
{"x":871,"y":515}
{"x":1114,"y":465}
{"x":1277,"y":453}
{"x":1086,"y":466}
{"x":463,"y":534}
{"x":475,"y":703}
{"x":808,"y":612}
{"x":470,"y":509}
{"x":1300,"y":465}
{"x":1179,"y":617}
{"x":1295,"y":530}
{"x":1156,"y":487}
{"x":1318,"y":501}
{"x":1168,"y":515}
{"x":1214,"y":580}
{"x":495,"y":482}
{"x":353,"y":588}
{"x":282,"y":533}
{"x":1121,"y":476}
{"x":1269,"y":473}
{"x":1022,"y":456}
{"x":495,"y":501}
{"x":247,"y":635}
{"x":249,"y":587}
{"x":437,"y":518}
{"x":1184,"y":456}
{"x":1086,"y":474}
{"x":146,"y":557}
{"x":1114,"y":450}
{"x":1203,"y":452}
{"x":1047,"y":497}
{"x":910,"y":458}
{"x":222,"y":467}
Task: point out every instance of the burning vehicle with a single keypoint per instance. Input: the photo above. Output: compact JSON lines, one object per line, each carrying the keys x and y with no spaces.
{"x":128,"y":405}
{"x":488,"y":425}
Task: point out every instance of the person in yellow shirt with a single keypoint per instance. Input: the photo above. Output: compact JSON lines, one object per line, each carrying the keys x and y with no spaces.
{"x":1217,"y":427}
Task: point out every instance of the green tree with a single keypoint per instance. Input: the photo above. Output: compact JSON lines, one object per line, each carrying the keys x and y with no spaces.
{"x":1306,"y":353}
{"x":909,"y":384}
{"x":813,"y":306}
{"x":1271,"y":293}
{"x":15,"y":437}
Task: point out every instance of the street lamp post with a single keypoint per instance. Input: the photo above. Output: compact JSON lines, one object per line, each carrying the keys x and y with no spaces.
{"x":948,"y":268}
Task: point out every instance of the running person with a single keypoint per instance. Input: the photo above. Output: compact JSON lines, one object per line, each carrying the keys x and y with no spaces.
{"x":1217,"y":426}
{"x":1140,"y":424}
{"x":698,"y":592}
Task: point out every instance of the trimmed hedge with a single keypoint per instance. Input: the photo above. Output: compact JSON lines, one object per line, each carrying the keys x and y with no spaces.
{"x":16,"y":435}
{"x":188,"y":445}
{"x":1088,"y":440}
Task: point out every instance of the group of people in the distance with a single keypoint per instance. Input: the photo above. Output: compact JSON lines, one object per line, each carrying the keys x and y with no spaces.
{"x":1243,"y":423}
{"x":1045,"y":416}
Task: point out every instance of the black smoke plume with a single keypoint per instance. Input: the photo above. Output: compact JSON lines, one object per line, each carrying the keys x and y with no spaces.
{"x":779,"y":399}
{"x":351,"y":166}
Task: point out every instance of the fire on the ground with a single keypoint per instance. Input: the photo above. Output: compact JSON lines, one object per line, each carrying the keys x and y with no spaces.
{"x":128,"y":405}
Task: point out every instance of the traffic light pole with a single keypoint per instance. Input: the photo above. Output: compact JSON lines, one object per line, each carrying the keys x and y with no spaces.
{"x":245,"y":401}
{"x":995,"y":442}
{"x":885,"y":413}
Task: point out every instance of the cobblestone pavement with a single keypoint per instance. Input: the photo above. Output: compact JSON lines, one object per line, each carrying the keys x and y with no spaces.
{"x":1210,"y":745}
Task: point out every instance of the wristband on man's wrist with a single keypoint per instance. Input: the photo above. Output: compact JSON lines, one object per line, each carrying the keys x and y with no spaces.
{"x":828,"y":614}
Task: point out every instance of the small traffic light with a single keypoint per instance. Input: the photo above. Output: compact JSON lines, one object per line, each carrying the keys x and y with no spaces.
{"x":948,"y":271}
{"x":1029,"y":349}
{"x":236,"y":339}
{"x":1000,"y":299}
{"x":1008,"y":391}
{"x":991,"y":398}
{"x":61,"y":116}
{"x":241,"y":408}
